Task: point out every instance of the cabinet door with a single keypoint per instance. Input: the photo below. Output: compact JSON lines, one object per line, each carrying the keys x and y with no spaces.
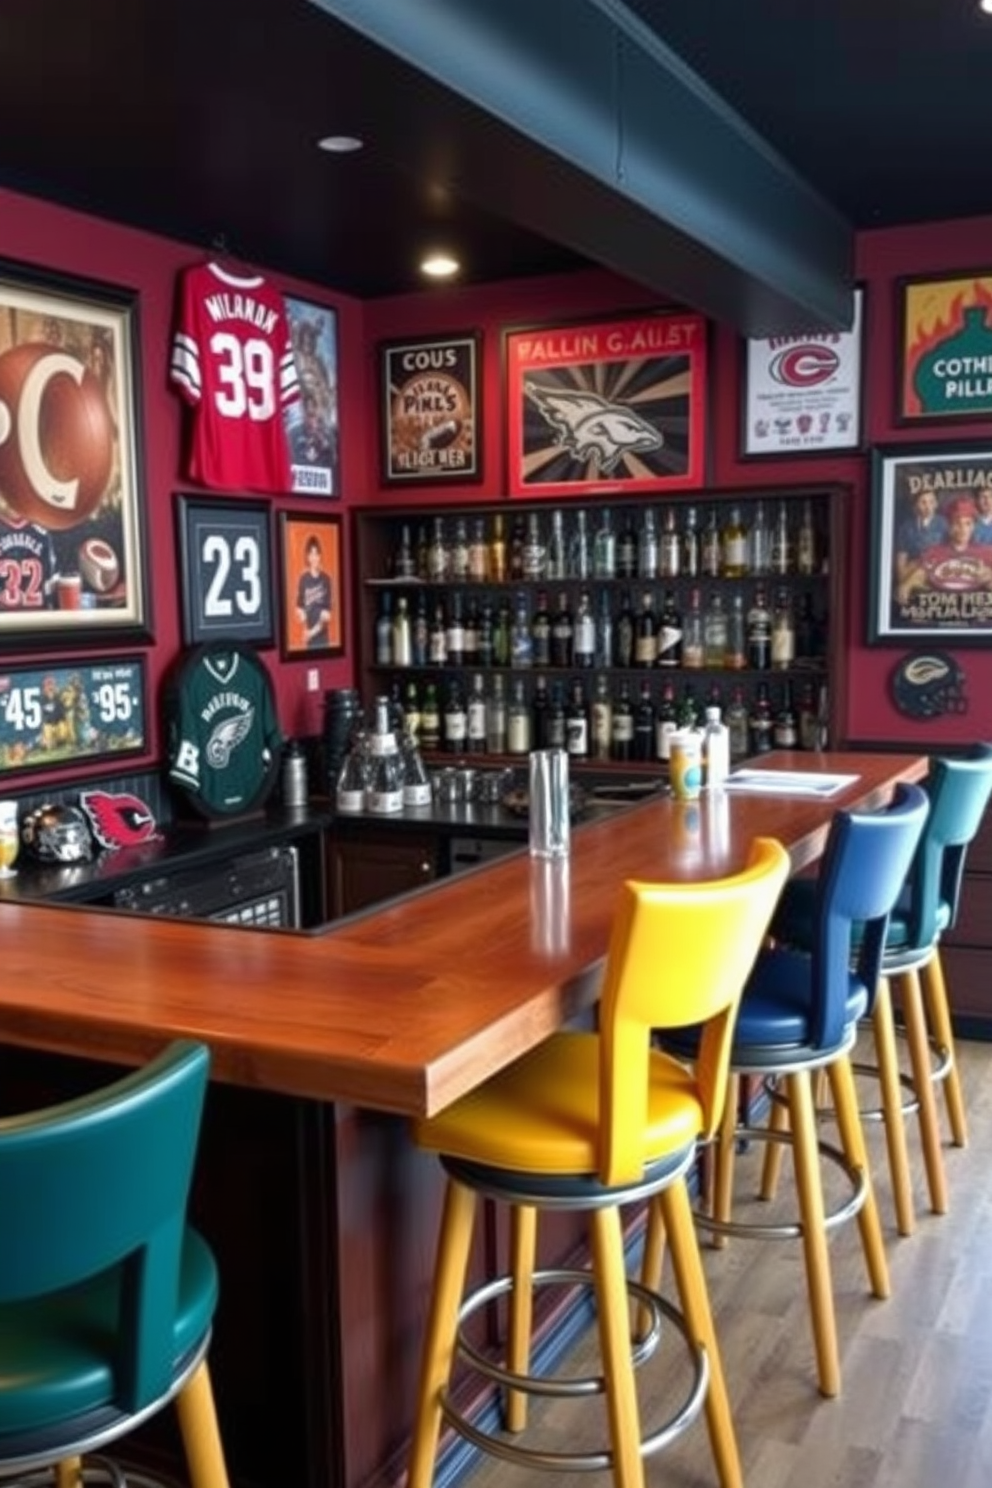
{"x":366,"y":869}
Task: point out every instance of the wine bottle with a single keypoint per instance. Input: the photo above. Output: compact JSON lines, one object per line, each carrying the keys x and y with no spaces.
{"x":577,"y":723}
{"x":622,"y":741}
{"x":644,"y":725}
{"x":602,"y":718}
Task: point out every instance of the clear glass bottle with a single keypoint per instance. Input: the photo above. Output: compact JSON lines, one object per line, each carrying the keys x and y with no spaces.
{"x":693,"y":640}
{"x":670,"y":547}
{"x":783,"y":644}
{"x":604,"y":558}
{"x":604,"y":631}
{"x":690,"y":563}
{"x":711,"y":547}
{"x":602,"y":718}
{"x":521,"y":640}
{"x":384,"y":631}
{"x":518,"y":720}
{"x":782,"y":554}
{"x":735,"y":657}
{"x":806,"y":555}
{"x":353,"y":776}
{"x":384,"y":792}
{"x":496,"y":717}
{"x":402,"y":638}
{"x":534,"y":554}
{"x":584,"y":633}
{"x":475,"y":721}
{"x":647,"y":547}
{"x":733,"y":541}
{"x":580,"y":555}
{"x":715,"y":632}
{"x":555,"y":561}
{"x":760,"y":542}
{"x":416,"y":783}
{"x":737,"y":725}
{"x":716,"y":748}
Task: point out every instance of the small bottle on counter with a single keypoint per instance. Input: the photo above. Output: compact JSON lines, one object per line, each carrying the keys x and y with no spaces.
{"x":716,"y":749}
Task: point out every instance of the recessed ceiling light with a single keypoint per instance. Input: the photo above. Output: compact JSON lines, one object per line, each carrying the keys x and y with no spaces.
{"x":985,"y":5}
{"x":340,"y":144}
{"x":439,"y":265}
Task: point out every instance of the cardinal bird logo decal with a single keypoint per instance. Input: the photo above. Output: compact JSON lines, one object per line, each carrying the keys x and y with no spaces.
{"x":118,"y":820}
{"x":592,"y":427}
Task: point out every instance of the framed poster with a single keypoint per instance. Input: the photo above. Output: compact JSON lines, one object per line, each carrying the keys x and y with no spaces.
{"x":430,"y":409}
{"x":931,"y":545}
{"x":311,"y":421}
{"x":612,"y":406}
{"x":225,"y":570}
{"x":72,"y":562}
{"x":67,"y":712}
{"x":945,"y":347}
{"x":803,"y":394}
{"x":312,"y":578}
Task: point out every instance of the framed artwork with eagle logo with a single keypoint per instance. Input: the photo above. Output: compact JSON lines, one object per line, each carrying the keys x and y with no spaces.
{"x":608,"y":406}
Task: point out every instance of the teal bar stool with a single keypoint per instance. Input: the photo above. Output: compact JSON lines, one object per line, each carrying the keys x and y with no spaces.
{"x":106,"y":1294}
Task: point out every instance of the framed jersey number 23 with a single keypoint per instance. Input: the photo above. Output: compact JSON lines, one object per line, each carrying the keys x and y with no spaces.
{"x":225,"y":564}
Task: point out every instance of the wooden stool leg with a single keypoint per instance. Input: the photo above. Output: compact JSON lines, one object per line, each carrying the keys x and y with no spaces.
{"x":652,"y":1264}
{"x":887,"y":1059}
{"x":200,"y":1433}
{"x":454,"y":1242}
{"x":853,"y":1144}
{"x":68,"y":1472}
{"x":523,"y":1245}
{"x":691,"y":1283}
{"x":723,"y":1162}
{"x":771,"y":1167}
{"x":614,"y":1335}
{"x":939,"y":1013}
{"x":919,"y":1059}
{"x":806,"y":1156}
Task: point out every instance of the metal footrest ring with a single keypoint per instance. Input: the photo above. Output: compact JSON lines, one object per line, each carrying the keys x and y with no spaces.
{"x":101,"y":1471}
{"x":857,"y":1178}
{"x":583,"y":1386}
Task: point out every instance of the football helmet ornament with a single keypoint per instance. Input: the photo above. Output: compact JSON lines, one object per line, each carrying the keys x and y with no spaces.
{"x":57,"y":834}
{"x":929,"y":684}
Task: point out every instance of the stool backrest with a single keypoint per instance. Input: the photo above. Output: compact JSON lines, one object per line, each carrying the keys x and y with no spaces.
{"x":679,"y":956}
{"x":864,"y":867}
{"x":102,"y":1181}
{"x":959,"y":789}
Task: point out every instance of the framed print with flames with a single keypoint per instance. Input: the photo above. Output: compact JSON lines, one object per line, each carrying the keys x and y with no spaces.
{"x":945,"y":348}
{"x":614,"y":405}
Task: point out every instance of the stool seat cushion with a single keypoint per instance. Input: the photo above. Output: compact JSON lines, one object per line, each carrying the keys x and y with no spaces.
{"x":57,"y":1354}
{"x":541,"y":1114}
{"x":778,"y":1003}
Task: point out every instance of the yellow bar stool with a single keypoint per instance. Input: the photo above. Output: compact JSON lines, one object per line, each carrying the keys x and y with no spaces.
{"x":589,"y":1122}
{"x":106,"y":1294}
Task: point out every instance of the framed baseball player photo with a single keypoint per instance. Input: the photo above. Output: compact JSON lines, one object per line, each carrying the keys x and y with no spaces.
{"x":72,"y":559}
{"x":311,"y":587}
{"x":225,"y":570}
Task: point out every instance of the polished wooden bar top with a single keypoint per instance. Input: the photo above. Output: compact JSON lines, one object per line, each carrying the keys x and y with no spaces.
{"x":405,"y":1008}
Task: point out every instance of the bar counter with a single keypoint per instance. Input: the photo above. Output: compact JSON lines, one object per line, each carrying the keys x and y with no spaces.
{"x":322,"y":1212}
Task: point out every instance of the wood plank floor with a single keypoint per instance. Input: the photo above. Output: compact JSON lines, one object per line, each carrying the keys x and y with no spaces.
{"x":916,"y":1404}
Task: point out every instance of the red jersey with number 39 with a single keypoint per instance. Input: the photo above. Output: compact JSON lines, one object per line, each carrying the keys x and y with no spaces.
{"x":232,"y":360}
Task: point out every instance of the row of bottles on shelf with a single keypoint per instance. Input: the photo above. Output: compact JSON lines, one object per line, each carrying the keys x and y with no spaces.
{"x":608,"y":724}
{"x":710,"y":633}
{"x":730,"y":542}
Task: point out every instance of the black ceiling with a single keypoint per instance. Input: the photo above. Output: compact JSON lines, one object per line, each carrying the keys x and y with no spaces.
{"x":197,"y":119}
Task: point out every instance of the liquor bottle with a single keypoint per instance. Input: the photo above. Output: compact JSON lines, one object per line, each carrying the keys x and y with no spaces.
{"x":402,"y":638}
{"x":423,"y":549}
{"x":518,"y":721}
{"x":534,"y":556}
{"x":539,"y":708}
{"x":554,"y":564}
{"x":497,"y":551}
{"x":515,"y":553}
{"x":540,"y":632}
{"x":421,"y":632}
{"x":622,"y":736}
{"x":760,"y":542}
{"x":604,"y":554}
{"x":602,"y":718}
{"x":604,"y":631}
{"x":472,"y":634}
{"x":736,"y":654}
{"x":733,"y":542}
{"x":670,"y":547}
{"x":669,"y":633}
{"x":806,"y":557}
{"x":785,"y":725}
{"x":416,"y":782}
{"x":760,"y":721}
{"x":411,"y":710}
{"x":690,"y":561}
{"x":562,"y":633}
{"x":711,"y":548}
{"x":646,"y":635}
{"x":781,"y":541}
{"x":486,"y":649}
{"x":455,"y":638}
{"x":783,"y":644}
{"x":687,"y":708}
{"x":384,"y":794}
{"x":584,"y":635}
{"x":759,"y":632}
{"x":458,"y":561}
{"x":644,"y":725}
{"x":716,"y":749}
{"x":626,"y":625}
{"x":647,"y":547}
{"x":475,"y":731}
{"x":521,"y":642}
{"x":665,"y":722}
{"x":807,"y":629}
{"x":501,"y":634}
{"x":478,"y":553}
{"x":437,"y":554}
{"x":693,"y":644}
{"x":404,"y":559}
{"x":577,"y":723}
{"x":627,"y":550}
{"x":715,"y":632}
{"x":557,"y":727}
{"x":808,"y":723}
{"x":430,"y":719}
{"x":384,"y":630}
{"x":454,"y":723}
{"x":580,"y":556}
{"x":496,"y":718}
{"x":737,"y":725}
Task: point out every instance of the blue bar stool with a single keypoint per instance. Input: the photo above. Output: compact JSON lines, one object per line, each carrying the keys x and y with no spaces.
{"x":798,"y":1016}
{"x":588,"y":1122}
{"x":106,"y":1294}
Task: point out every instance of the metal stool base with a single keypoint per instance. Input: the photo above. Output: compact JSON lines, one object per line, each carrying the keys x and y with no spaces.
{"x":101,"y":1471}
{"x":791,"y":1231}
{"x":583,"y":1386}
